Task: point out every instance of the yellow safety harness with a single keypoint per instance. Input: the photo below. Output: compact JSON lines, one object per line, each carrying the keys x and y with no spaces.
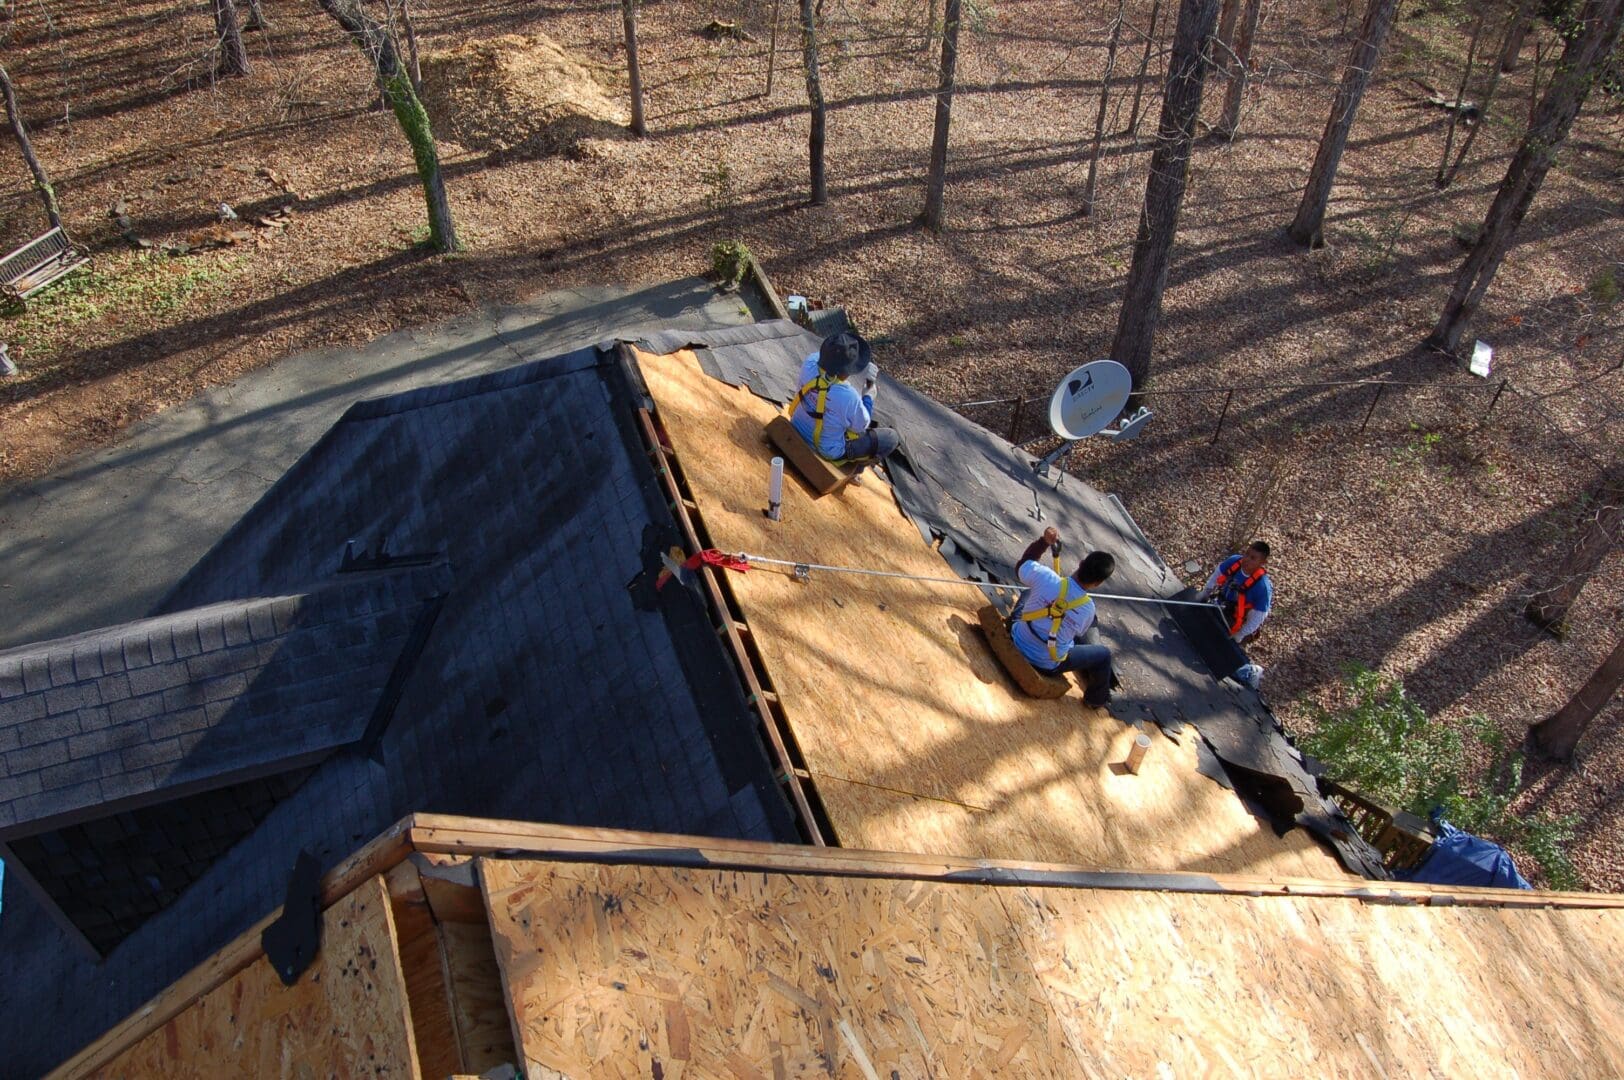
{"x":821,"y":384}
{"x":1057,"y":611}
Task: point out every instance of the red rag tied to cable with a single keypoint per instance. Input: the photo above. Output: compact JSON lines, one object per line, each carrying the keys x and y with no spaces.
{"x":707,"y":557}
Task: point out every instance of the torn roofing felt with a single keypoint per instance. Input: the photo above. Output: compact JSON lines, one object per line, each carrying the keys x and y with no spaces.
{"x":977,"y":494}
{"x":145,"y":712}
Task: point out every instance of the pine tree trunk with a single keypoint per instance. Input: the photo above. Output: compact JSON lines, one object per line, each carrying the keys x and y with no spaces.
{"x":376,"y":44}
{"x":256,"y":17}
{"x":814,"y":98}
{"x":1558,"y":735}
{"x":1132,"y":130}
{"x":1306,"y":227}
{"x":1230,"y":122}
{"x":1164,"y":191}
{"x":1599,"y":530}
{"x":936,"y":180}
{"x":1576,"y":72}
{"x":42,"y":182}
{"x":1099,"y":117}
{"x":634,"y":71}
{"x":1512,"y":53}
{"x":228,"y":32}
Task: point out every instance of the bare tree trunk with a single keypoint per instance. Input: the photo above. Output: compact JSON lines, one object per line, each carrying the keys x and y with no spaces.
{"x":1310,"y":220}
{"x":1132,"y":129}
{"x":814,"y":99}
{"x":1597,"y":33}
{"x":42,"y":182}
{"x":376,"y":44}
{"x":930,"y":25}
{"x":628,"y":17}
{"x":1226,"y":35}
{"x":1558,"y":735}
{"x":411,"y":44}
{"x":256,"y":17}
{"x":1512,"y":53}
{"x":1230,"y":122}
{"x":1512,"y":29}
{"x":47,"y":194}
{"x":1460,"y":94}
{"x":1533,"y":83}
{"x":1164,"y":191}
{"x":1099,"y":119}
{"x":1599,"y":528}
{"x":228,"y":34}
{"x":772,"y":49}
{"x":936,"y":180}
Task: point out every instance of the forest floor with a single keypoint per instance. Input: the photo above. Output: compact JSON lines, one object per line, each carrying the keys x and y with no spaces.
{"x":1406,"y":543}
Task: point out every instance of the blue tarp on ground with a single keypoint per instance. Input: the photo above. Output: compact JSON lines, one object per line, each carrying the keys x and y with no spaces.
{"x":1459,"y":858}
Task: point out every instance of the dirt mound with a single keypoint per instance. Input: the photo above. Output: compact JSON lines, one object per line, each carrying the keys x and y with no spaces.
{"x":519,"y":93}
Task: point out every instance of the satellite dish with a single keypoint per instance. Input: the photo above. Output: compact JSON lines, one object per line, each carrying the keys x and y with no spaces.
{"x":1088,"y":399}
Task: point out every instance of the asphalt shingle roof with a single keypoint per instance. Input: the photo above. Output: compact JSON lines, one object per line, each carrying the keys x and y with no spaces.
{"x":197,"y":699}
{"x":543,"y":691}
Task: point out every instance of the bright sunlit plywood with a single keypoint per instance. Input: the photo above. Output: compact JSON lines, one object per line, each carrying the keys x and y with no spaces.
{"x":640,"y":970}
{"x":915,"y":737}
{"x":651,"y":971}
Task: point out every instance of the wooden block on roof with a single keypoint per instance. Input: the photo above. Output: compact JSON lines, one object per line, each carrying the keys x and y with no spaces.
{"x":821,"y":474}
{"x":1030,"y":679}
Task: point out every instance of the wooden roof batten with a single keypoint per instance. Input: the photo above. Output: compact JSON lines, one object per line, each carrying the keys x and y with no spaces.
{"x":428,"y":838}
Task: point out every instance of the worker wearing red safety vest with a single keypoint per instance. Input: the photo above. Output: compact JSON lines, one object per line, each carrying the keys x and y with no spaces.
{"x":1242,"y":588}
{"x":834,"y":407}
{"x":1057,"y":611}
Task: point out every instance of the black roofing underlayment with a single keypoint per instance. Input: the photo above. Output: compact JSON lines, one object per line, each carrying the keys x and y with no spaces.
{"x":542,"y":691}
{"x":975,"y":492}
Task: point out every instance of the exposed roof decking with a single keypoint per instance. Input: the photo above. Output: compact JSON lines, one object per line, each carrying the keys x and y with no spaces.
{"x":631,"y":970}
{"x":914,"y":737}
{"x":347,"y":1016}
{"x":644,"y":954}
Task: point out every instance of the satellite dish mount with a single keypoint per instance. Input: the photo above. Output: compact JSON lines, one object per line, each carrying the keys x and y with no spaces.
{"x":1085,"y":403}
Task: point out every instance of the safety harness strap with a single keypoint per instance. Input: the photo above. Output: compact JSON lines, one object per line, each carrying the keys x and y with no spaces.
{"x":1242,"y":605}
{"x":821,"y":385}
{"x":1056,"y":612}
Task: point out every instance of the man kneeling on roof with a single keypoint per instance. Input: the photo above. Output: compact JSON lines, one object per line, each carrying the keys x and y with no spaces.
{"x":1057,"y":611}
{"x":832,"y":414}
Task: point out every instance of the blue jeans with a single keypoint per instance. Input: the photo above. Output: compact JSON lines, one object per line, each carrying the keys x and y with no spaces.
{"x":875,"y":444}
{"x":1093,"y":661}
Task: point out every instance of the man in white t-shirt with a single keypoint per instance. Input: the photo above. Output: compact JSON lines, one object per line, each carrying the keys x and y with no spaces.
{"x":831,"y":413}
{"x":1057,"y":611}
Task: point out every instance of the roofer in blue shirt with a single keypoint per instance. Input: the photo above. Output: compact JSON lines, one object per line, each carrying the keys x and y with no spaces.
{"x":1242,"y":588}
{"x":1057,"y":611}
{"x":829,"y":410}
